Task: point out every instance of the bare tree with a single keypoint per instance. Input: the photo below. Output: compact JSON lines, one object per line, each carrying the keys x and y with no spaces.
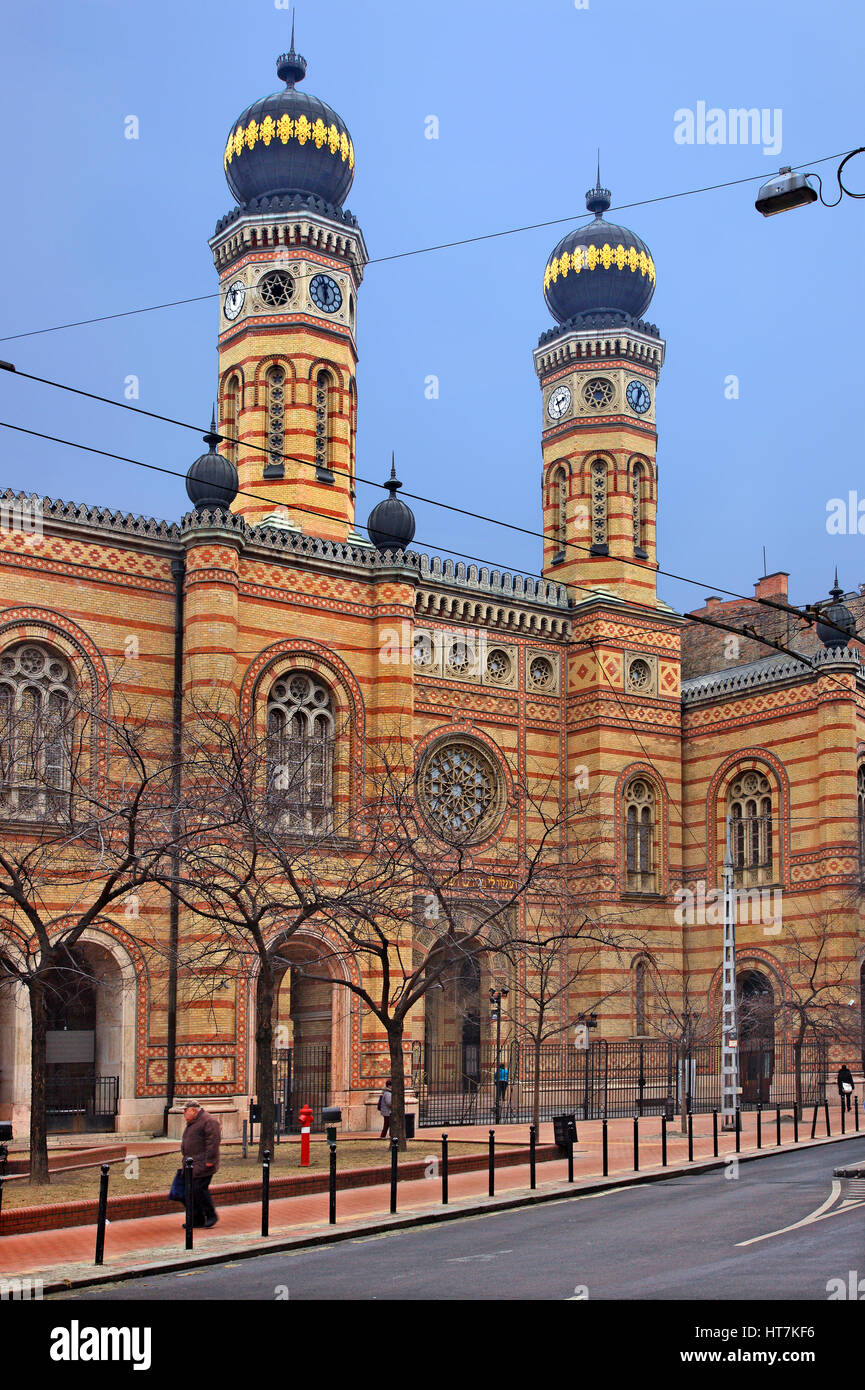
{"x":87,"y":785}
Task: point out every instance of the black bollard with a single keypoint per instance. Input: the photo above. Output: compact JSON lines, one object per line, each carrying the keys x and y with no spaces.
{"x":828,"y":1126}
{"x":331,"y":1215}
{"x":814,"y":1123}
{"x":738,"y":1130}
{"x":187,"y":1200}
{"x":265,"y":1194}
{"x":856,"y":1111}
{"x":690,"y":1137}
{"x":664,"y":1140}
{"x":778,"y":1125}
{"x":759,"y":1126}
{"x":533,"y":1139}
{"x":2,"y":1180}
{"x":101,"y":1213}
{"x":492,"y":1163}
{"x":606,"y":1149}
{"x":444,"y":1170}
{"x":795,"y":1124}
{"x":636,"y":1144}
{"x":843,"y":1118}
{"x":570,"y":1157}
{"x":394,"y":1162}
{"x":715,"y":1133}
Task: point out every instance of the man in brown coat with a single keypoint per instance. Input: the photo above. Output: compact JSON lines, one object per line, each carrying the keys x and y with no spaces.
{"x":200,"y":1142}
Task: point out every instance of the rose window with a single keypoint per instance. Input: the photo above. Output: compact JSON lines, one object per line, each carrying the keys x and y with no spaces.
{"x":460,"y":791}
{"x":541,"y":672}
{"x":598,"y":392}
{"x":498,"y":665}
{"x":276,"y":289}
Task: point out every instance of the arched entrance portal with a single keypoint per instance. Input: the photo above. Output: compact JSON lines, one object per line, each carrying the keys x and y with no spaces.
{"x":457,"y":1044}
{"x":756,"y":1006}
{"x":303,"y":1031}
{"x":84,"y":1040}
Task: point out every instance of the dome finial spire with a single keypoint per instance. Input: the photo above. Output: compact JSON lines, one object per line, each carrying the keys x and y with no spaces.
{"x":598,"y":199}
{"x":291,"y":67}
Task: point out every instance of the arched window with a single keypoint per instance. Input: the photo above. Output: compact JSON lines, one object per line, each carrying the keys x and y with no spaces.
{"x":230,"y":417}
{"x":640,"y":836}
{"x":638,"y":492}
{"x":599,"y":507}
{"x":560,"y":503}
{"x":35,"y":763}
{"x":323,"y":390}
{"x":860,"y":794}
{"x":275,"y":422}
{"x":300,"y":751}
{"x":749,"y":806}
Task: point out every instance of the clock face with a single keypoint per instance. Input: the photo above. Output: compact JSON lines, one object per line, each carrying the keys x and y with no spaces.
{"x":234,"y":297}
{"x":559,"y":402}
{"x":638,"y":397}
{"x":325,"y":293}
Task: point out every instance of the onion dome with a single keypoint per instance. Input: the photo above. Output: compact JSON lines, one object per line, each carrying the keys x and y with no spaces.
{"x":290,"y":143}
{"x":599,"y":268}
{"x":839,"y":615}
{"x":211,"y":483}
{"x":391,"y":522}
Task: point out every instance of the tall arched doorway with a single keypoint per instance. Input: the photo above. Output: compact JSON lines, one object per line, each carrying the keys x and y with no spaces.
{"x":303,"y":1030}
{"x":458,"y":1053}
{"x":756,"y":1008}
{"x":84,"y":1040}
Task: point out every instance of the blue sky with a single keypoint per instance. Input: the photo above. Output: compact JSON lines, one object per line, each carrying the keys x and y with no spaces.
{"x":524,"y":94}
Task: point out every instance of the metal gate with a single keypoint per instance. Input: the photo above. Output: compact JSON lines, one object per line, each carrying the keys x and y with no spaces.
{"x":301,"y":1076}
{"x":79,"y":1103}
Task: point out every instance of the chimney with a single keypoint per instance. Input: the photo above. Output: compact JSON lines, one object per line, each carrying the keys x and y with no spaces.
{"x":773,"y":586}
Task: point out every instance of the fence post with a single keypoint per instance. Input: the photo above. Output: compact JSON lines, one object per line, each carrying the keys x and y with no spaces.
{"x":187,"y":1201}
{"x":265,"y":1194}
{"x":492,"y":1163}
{"x":331,"y":1215}
{"x":636,"y":1144}
{"x":664,"y":1140}
{"x":814,"y":1123}
{"x":828,"y":1125}
{"x":101,"y":1214}
{"x":394,"y":1161}
{"x":738,"y":1129}
{"x":444,"y":1170}
{"x":605,"y":1148}
{"x":532,"y":1142}
{"x":759,"y":1125}
{"x":778,"y":1125}
{"x":715,"y":1133}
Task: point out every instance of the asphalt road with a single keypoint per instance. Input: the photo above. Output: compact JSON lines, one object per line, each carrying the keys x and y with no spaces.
{"x":677,"y":1239}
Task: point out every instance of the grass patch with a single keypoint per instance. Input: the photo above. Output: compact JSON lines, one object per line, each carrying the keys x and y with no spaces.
{"x":155,"y":1174}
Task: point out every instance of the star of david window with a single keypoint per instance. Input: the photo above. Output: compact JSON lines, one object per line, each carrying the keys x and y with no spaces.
{"x":639,"y":674}
{"x":276,"y":289}
{"x":460,"y":792}
{"x":598,"y":392}
{"x":498,"y":665}
{"x":599,"y":503}
{"x":541,"y":672}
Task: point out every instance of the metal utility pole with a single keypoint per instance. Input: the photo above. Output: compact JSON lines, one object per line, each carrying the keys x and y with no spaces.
{"x":729,"y":1019}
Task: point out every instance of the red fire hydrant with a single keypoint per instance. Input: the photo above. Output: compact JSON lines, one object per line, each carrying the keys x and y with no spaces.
{"x":305,"y":1117}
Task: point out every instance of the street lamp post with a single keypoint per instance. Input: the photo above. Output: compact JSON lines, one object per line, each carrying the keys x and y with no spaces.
{"x":729,"y":1016}
{"x":496,"y":997}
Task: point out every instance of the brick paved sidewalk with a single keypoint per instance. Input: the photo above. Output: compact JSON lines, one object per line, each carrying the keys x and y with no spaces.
{"x":68,"y":1254}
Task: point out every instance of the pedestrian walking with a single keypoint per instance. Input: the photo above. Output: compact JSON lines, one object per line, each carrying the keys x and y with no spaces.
{"x":385,"y":1105}
{"x":201,"y":1140}
{"x":845,"y":1084}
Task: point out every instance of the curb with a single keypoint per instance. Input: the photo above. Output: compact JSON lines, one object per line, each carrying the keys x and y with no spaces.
{"x":434,"y":1216}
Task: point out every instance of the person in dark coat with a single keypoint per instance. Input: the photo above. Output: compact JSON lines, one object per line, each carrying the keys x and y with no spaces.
{"x":200,"y":1142}
{"x":845,"y":1084}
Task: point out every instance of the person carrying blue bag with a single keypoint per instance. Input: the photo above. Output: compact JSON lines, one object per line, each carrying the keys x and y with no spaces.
{"x":200,"y":1142}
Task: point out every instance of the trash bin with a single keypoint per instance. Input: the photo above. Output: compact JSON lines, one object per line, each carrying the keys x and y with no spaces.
{"x":409,"y":1125}
{"x":564,"y":1129}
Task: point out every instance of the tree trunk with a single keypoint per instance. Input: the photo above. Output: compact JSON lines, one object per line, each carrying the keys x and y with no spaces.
{"x":397,"y":1083}
{"x":536,"y":1085}
{"x":264,"y":995}
{"x":38,"y":1131}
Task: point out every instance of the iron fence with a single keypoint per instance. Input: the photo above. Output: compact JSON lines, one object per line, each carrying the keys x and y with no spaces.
{"x":301,"y":1076}
{"x":612,"y":1078}
{"x":81,"y":1102}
